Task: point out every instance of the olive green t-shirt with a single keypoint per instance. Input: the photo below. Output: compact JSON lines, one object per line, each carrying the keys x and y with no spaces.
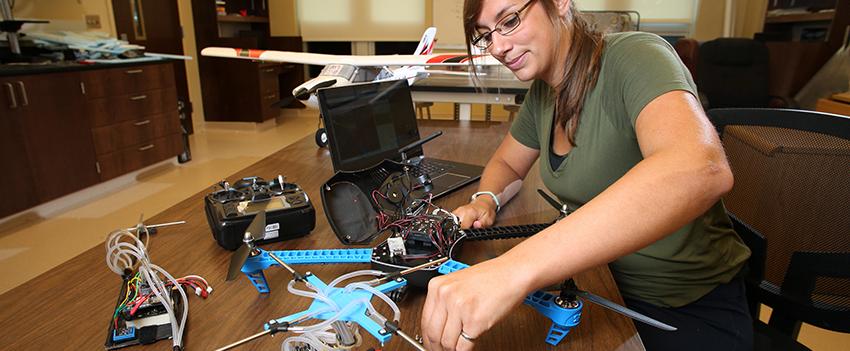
{"x":636,"y":68}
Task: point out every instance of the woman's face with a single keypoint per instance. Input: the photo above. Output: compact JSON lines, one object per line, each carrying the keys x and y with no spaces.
{"x":529,"y":50}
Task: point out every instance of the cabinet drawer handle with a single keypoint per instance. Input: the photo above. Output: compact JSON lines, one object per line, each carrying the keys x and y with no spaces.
{"x":146,"y":148}
{"x":270,"y":96}
{"x":140,"y":97}
{"x":268,"y":70}
{"x":25,"y":100}
{"x":134,"y":71}
{"x":139,"y":124}
{"x":11,"y":91}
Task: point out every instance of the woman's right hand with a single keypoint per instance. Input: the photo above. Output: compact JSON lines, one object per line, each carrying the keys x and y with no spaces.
{"x":479,"y":213}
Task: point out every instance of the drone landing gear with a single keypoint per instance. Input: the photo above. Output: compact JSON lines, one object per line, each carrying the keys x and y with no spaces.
{"x":564,"y":313}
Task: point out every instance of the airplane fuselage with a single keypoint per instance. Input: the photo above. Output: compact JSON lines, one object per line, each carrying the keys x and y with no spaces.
{"x":344,"y":74}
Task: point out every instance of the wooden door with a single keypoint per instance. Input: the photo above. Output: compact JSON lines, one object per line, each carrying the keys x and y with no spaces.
{"x":155,"y":24}
{"x":15,"y":174}
{"x":57,"y":134}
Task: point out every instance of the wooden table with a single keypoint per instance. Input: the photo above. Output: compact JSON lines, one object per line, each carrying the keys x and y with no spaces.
{"x":463,"y":92}
{"x":837,"y":103}
{"x":70,"y":306}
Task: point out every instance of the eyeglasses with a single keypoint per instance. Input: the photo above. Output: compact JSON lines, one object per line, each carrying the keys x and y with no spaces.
{"x":505,"y":26}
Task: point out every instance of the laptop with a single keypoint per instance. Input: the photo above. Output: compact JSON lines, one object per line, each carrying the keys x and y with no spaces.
{"x":368,"y":123}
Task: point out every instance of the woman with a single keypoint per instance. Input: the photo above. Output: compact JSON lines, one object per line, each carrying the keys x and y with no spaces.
{"x":622,"y":139}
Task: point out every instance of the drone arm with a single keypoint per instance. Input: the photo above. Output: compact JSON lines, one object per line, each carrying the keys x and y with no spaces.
{"x":317,"y":256}
{"x":563,"y":318}
{"x":254,"y":265}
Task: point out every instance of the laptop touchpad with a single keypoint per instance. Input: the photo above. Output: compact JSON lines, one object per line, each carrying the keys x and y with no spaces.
{"x":446,"y":180}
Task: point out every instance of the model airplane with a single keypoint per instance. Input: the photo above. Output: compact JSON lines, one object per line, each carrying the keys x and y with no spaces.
{"x":341,"y":70}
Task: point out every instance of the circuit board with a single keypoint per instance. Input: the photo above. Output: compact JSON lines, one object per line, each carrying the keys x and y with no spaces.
{"x":142,"y":323}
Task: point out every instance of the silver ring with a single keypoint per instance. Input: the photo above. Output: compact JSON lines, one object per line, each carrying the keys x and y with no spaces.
{"x":466,"y":336}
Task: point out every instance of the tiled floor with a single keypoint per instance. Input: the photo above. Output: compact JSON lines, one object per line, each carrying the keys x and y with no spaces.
{"x":40,"y":240}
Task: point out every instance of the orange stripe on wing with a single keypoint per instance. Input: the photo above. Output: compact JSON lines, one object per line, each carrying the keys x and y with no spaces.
{"x":250,"y":53}
{"x":452,"y":58}
{"x":440,"y":58}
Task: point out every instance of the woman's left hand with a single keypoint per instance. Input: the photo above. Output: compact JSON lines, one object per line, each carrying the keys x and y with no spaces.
{"x":471,"y":301}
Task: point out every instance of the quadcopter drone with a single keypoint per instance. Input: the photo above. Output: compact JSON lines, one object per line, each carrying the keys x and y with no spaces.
{"x":423,"y":241}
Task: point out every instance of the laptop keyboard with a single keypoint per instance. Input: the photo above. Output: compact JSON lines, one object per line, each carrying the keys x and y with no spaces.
{"x":433,"y":168}
{"x":427,"y":166}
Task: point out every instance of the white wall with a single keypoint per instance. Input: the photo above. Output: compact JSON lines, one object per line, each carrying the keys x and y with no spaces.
{"x":65,"y":14}
{"x":362,"y":20}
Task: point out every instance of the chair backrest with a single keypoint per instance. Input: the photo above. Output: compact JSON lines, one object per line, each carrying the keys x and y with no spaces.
{"x":791,"y":205}
{"x":733,"y":72}
{"x":613,"y":21}
{"x":688,"y":50}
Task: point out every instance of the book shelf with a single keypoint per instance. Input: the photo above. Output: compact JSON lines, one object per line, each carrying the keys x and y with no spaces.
{"x":242,"y":90}
{"x":801,"y":36}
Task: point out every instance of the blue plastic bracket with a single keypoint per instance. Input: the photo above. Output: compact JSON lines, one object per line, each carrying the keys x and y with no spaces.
{"x":321,"y":310}
{"x":562,"y":318}
{"x":254,"y":266}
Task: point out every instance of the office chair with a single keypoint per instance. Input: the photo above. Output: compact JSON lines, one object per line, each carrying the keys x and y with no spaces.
{"x":790,"y":206}
{"x":734,"y":72}
{"x":688,"y":51}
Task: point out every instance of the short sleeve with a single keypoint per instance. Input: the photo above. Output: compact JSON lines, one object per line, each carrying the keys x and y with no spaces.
{"x":525,"y":129}
{"x":647,"y":67}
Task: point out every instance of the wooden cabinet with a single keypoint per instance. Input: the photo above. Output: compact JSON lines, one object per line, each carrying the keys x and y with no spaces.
{"x":240,"y":90}
{"x":133,"y":117}
{"x":55,"y":132}
{"x":64,"y":131}
{"x":15,"y":173}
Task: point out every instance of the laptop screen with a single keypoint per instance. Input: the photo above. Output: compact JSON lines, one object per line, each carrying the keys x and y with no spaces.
{"x":367,"y":123}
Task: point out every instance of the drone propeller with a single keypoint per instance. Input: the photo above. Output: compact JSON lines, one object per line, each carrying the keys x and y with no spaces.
{"x":254,"y":232}
{"x":569,"y":288}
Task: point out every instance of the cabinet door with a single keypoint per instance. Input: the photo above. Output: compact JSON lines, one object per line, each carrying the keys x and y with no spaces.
{"x":58,"y":135}
{"x":15,"y":174}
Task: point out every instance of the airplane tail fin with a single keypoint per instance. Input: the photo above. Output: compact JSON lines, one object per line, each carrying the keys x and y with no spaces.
{"x":426,"y":44}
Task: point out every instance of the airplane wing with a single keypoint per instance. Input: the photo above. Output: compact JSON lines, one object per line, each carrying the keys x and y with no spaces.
{"x":354,"y":60}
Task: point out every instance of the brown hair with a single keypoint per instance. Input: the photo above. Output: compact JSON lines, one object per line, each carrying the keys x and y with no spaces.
{"x":581,"y":67}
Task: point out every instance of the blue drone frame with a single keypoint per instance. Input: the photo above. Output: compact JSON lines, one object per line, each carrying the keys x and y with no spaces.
{"x":564,"y":315}
{"x":563,"y":310}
